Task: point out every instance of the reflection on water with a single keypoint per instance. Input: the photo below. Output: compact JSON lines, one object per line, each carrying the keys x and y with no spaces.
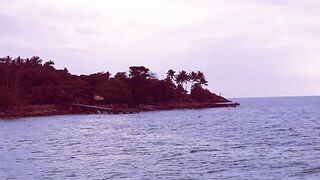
{"x":263,"y":139}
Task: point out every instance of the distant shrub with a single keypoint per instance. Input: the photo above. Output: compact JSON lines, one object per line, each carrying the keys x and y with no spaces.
{"x":203,"y":95}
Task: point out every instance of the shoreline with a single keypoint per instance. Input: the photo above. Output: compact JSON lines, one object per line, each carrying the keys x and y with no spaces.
{"x":55,"y":109}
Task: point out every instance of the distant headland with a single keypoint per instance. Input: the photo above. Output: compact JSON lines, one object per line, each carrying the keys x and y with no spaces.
{"x":31,"y":87}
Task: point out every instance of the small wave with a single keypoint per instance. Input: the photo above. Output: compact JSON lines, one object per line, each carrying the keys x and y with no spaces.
{"x":239,"y":147}
{"x":275,"y":117}
{"x":73,"y":143}
{"x":281,"y":130}
{"x":86,"y":128}
{"x":310,"y":171}
{"x":12,"y":149}
{"x":71,"y":176}
{"x":204,"y":150}
{"x":316,"y":148}
{"x":216,"y":171}
{"x":23,"y":140}
{"x":37,"y":152}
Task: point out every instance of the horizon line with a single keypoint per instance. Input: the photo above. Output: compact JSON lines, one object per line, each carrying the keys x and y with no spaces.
{"x":280,"y":96}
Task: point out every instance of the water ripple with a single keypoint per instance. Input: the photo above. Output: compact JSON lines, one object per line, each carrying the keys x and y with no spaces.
{"x":250,"y":142}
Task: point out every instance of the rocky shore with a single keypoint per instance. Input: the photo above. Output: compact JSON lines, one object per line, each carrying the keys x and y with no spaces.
{"x":54,"y":109}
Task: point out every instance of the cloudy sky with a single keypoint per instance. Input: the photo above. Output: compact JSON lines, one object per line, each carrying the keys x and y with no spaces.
{"x":247,"y":48}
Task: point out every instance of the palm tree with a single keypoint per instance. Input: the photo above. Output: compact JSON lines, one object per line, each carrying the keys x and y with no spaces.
{"x":7,"y":62}
{"x":171,"y":75}
{"x":182,"y":77}
{"x":107,"y":75}
{"x":49,"y":64}
{"x":193,"y":78}
{"x":201,"y":78}
{"x":17,"y":72}
{"x":34,"y":61}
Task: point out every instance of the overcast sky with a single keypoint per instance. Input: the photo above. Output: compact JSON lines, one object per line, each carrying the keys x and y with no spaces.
{"x":247,"y":48}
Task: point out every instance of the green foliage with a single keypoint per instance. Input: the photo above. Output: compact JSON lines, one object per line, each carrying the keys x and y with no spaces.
{"x":139,"y":73}
{"x":33,"y":81}
{"x":199,"y":94}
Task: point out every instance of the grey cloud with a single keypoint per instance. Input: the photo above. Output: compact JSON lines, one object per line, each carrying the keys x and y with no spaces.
{"x":246,"y":48}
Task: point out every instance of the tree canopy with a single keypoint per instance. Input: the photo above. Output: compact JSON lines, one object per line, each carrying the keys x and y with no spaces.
{"x":34,"y":81}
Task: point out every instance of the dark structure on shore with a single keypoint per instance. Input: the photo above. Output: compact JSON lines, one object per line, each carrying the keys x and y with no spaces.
{"x":32,"y":82}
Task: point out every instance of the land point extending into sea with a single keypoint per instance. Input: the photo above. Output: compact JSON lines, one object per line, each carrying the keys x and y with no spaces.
{"x":32,"y":87}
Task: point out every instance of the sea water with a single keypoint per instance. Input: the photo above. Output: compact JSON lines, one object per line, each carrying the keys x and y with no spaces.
{"x":264,"y":138}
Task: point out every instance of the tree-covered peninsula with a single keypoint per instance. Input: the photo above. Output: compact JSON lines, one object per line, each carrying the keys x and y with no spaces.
{"x":31,"y":82}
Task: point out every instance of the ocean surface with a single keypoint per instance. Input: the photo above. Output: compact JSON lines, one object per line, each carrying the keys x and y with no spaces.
{"x":265,"y":138}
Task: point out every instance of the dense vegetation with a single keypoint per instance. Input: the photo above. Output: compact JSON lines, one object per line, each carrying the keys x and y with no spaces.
{"x":32,"y":82}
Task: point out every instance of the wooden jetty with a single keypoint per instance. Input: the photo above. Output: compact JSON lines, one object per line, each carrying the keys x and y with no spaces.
{"x":94,"y":109}
{"x":226,"y":104}
{"x":104,"y":110}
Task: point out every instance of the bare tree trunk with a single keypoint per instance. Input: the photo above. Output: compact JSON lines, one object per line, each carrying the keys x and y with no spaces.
{"x":7,"y":78}
{"x":187,"y":87}
{"x":17,"y":82}
{"x":191,"y":86}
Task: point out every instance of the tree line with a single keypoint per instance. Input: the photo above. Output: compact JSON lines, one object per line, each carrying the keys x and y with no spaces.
{"x":32,"y":81}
